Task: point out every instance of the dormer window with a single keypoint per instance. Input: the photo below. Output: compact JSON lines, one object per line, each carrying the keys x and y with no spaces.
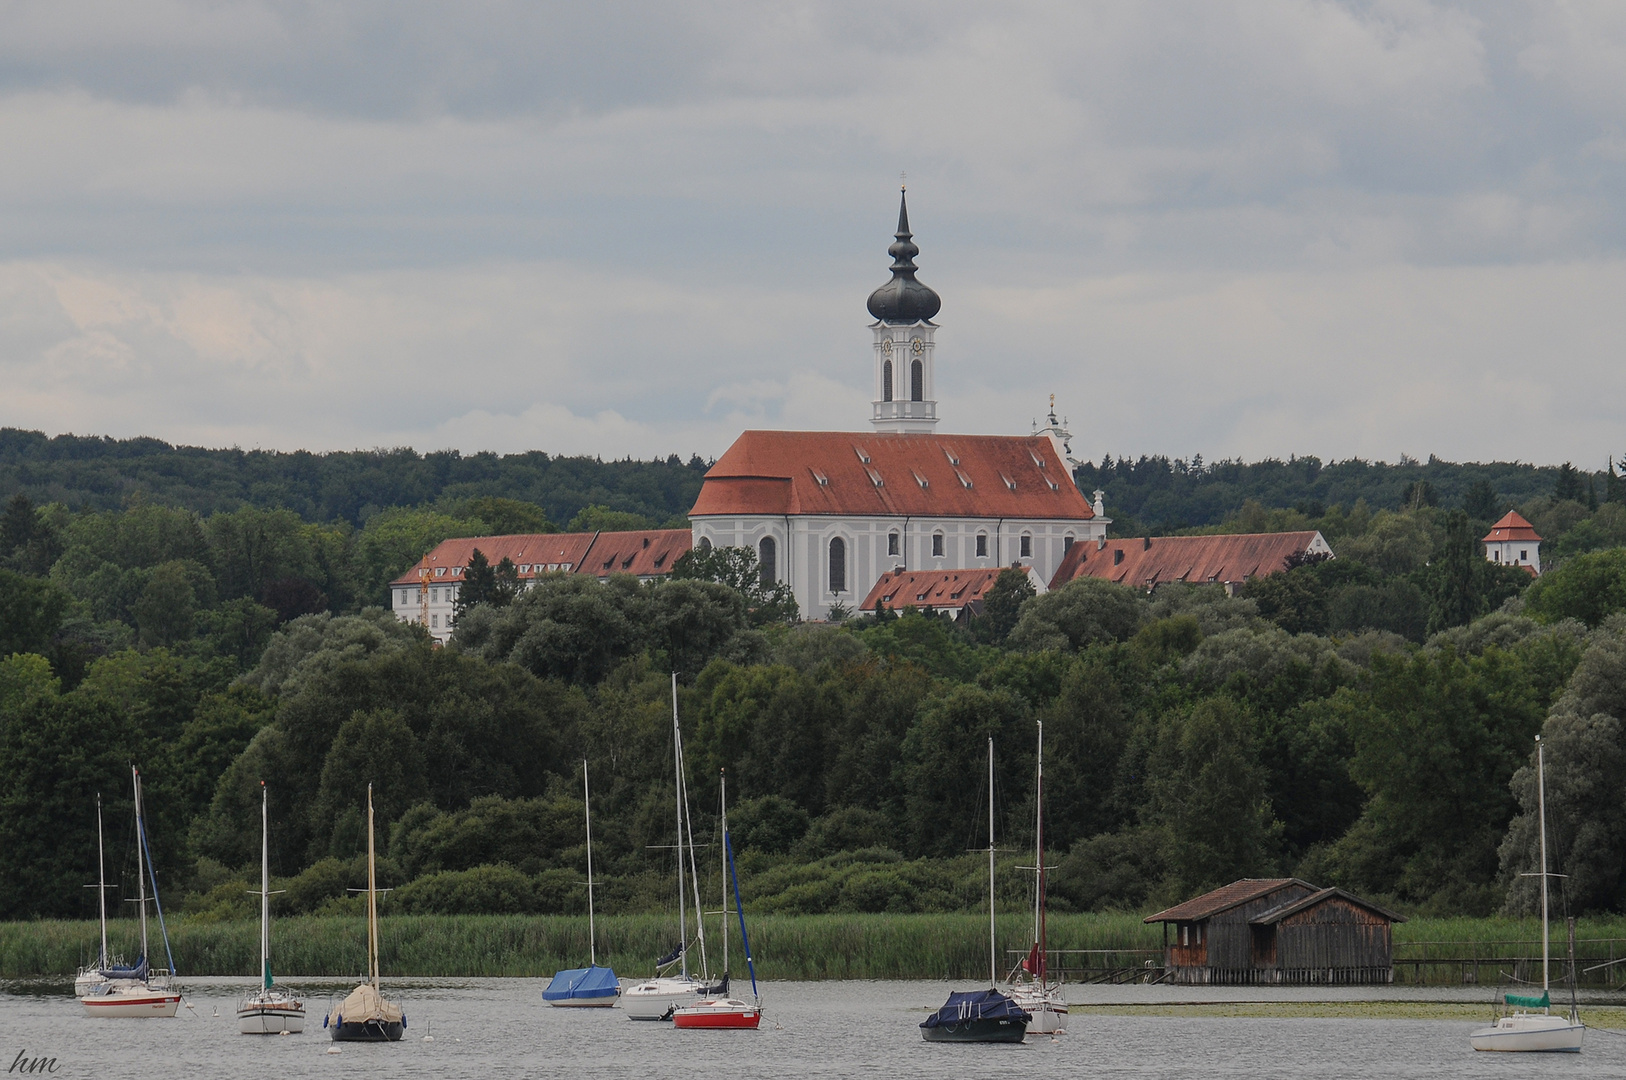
{"x":950,"y":455}
{"x":921,"y":480}
{"x":874,"y":477}
{"x":440,"y":571}
{"x":1008,"y":481}
{"x":965,"y":481}
{"x":823,"y":480}
{"x":1037,"y":460}
{"x":859,"y":450}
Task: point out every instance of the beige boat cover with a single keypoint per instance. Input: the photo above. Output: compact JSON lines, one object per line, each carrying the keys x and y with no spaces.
{"x":365,"y":1003}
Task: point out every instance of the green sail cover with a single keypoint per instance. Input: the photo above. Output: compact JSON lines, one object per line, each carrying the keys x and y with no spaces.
{"x":1522,"y":1001}
{"x":268,"y":981}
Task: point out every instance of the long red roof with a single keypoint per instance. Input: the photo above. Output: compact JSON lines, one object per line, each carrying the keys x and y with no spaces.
{"x":1511,"y":527}
{"x":1196,"y":560}
{"x":858,"y":474}
{"x":645,"y":553}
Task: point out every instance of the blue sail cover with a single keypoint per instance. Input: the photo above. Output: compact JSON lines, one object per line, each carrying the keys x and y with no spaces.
{"x":138,"y":973}
{"x":976,"y":1005}
{"x":588,"y":982}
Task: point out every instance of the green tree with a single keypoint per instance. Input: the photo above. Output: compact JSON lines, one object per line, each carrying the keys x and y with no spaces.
{"x":29,"y":542}
{"x":1206,"y":793}
{"x":1083,"y":612}
{"x":30,"y":613}
{"x":479,"y":585}
{"x":171,"y":598}
{"x":766,"y":601}
{"x":945,"y":756}
{"x":392,"y":541}
{"x":505,"y":517}
{"x":1002,"y":604}
{"x":1588,"y":587}
{"x":375,"y":747}
{"x":1568,"y":484}
{"x":604,"y":519}
{"x":1481,"y":503}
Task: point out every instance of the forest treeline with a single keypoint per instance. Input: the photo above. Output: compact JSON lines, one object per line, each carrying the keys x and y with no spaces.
{"x":1365,"y":721}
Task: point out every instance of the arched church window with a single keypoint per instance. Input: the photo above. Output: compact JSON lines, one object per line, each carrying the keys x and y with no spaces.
{"x":838,"y":565}
{"x":917,"y":381}
{"x":886,"y":381}
{"x":766,"y":553}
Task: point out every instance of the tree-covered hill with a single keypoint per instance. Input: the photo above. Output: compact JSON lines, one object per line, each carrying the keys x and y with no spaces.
{"x":92,"y":473}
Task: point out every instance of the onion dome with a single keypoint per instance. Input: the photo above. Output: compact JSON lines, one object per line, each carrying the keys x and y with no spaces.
{"x":903,"y":299}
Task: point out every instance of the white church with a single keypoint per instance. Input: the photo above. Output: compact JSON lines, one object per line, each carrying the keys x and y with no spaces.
{"x":829,"y":512}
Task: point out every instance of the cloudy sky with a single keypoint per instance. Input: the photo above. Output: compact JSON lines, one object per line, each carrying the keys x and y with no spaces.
{"x":1261,"y":228}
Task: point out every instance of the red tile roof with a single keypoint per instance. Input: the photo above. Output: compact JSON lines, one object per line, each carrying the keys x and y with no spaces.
{"x":1511,"y":527}
{"x":1159,"y":560}
{"x":945,"y":590}
{"x":859,"y":474}
{"x":1225,"y":898}
{"x":644,"y":553}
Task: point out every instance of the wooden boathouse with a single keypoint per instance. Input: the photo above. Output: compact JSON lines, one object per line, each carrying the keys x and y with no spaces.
{"x":1277,"y":930}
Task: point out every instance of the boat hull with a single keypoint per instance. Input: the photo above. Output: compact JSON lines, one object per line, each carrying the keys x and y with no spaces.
{"x":367,"y":1031}
{"x":131,"y":1006}
{"x":271,"y":1019}
{"x":1526,"y":1033}
{"x":606,"y":1002}
{"x":657,"y":1000}
{"x":1048,"y":1019}
{"x":968,"y":1031}
{"x":717,"y":1016}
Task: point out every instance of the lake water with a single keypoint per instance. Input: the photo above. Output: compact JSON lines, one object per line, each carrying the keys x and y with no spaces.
{"x":501,"y":1028}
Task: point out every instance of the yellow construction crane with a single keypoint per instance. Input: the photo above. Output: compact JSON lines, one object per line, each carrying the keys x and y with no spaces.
{"x":423,"y":596}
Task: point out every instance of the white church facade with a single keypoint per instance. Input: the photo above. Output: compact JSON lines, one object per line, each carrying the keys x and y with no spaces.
{"x":830,"y":512}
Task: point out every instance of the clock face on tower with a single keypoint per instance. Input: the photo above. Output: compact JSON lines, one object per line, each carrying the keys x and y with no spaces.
{"x":918,"y":346}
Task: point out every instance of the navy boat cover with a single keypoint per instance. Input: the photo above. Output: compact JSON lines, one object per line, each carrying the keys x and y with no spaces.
{"x":976,"y":1005}
{"x":588,"y":982}
{"x":138,"y":973}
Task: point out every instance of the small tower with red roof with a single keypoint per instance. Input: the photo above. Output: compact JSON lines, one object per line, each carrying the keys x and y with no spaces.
{"x":1513,"y":542}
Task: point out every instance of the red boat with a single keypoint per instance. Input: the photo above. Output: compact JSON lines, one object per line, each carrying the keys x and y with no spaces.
{"x":717,"y":1013}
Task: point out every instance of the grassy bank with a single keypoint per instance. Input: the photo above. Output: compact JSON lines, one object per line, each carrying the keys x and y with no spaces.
{"x":786,"y":946}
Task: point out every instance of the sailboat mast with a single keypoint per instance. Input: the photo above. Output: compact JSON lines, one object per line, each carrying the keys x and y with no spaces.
{"x":101,"y":878}
{"x":1541,"y":812}
{"x":587,"y":810}
{"x":677,"y":774}
{"x":141,"y":870}
{"x":372,"y":897}
{"x":694,"y":869}
{"x":993,"y":958}
{"x":1039,"y":897}
{"x":265,"y":890}
{"x":722,"y":780}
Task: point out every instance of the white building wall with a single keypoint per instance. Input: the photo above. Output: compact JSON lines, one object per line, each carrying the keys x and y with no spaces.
{"x":1515,"y":553}
{"x":806,"y":540}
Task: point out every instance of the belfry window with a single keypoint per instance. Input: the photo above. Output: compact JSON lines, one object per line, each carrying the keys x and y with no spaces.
{"x":766,"y":558}
{"x":982,"y":545}
{"x":838,"y":565}
{"x":1027,"y":546}
{"x":937,"y":545}
{"x":886,"y":381}
{"x":917,"y":381}
{"x":892,"y":543}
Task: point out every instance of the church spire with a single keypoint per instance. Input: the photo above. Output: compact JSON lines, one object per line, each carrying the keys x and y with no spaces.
{"x":903,"y":300}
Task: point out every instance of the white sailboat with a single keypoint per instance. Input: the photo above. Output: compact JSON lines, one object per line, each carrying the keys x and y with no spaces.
{"x":1031,"y":987}
{"x":365,"y":1015}
{"x":1532,"y":1025}
{"x":721,"y":1012}
{"x":137,"y":991}
{"x":271,"y":1010}
{"x":591,"y":986}
{"x":88,"y":978}
{"x":656,"y":998}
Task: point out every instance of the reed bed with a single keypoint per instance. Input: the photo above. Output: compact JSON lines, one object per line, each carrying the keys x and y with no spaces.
{"x":784,"y":946}
{"x":943,"y":946}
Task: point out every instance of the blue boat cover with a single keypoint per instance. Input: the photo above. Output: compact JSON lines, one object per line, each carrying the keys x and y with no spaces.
{"x":588,"y":982}
{"x":976,"y":1005}
{"x":138,"y":973}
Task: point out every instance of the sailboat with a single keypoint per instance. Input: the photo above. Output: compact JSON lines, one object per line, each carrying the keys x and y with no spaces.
{"x":981,"y":1015}
{"x":723,"y":1012}
{"x":271,"y":1010}
{"x":591,"y":986}
{"x":1031,"y":987}
{"x":365,"y":1016}
{"x":656,"y":998}
{"x":138,"y":990}
{"x":88,"y":978}
{"x":1532,"y":1025}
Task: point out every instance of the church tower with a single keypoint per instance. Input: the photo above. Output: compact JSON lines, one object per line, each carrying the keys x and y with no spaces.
{"x":903,"y":309}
